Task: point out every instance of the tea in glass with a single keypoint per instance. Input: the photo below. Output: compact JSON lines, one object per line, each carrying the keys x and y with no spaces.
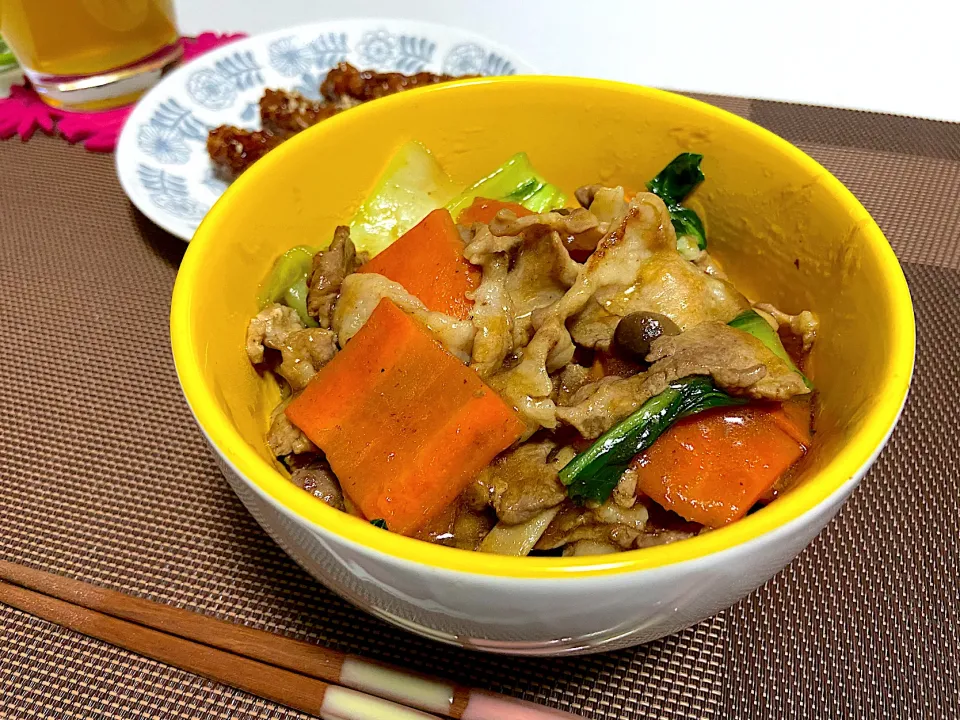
{"x":91,"y":54}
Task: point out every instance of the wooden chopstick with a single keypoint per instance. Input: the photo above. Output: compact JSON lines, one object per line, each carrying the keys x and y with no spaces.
{"x":330,"y":702}
{"x":255,"y":661}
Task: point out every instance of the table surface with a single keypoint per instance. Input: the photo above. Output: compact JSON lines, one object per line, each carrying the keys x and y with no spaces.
{"x":105,"y":477}
{"x":865,"y":54}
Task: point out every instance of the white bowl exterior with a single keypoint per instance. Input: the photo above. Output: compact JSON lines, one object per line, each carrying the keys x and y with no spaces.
{"x":562,"y":616}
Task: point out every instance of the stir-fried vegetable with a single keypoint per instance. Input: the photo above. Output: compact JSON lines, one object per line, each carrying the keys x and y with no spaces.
{"x":412,"y":185}
{"x":287,"y":282}
{"x":404,"y":424}
{"x":750,"y":321}
{"x":594,"y":473}
{"x":689,"y":228}
{"x":678,"y":179}
{"x":519,"y":539}
{"x":713,"y":468}
{"x":793,"y":417}
{"x":672,"y":185}
{"x":428,"y":261}
{"x":515,"y":181}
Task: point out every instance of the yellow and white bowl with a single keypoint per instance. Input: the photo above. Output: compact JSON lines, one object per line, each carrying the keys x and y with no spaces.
{"x":786,"y":231}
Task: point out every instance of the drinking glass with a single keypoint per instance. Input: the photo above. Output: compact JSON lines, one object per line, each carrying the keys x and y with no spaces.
{"x":91,"y":54}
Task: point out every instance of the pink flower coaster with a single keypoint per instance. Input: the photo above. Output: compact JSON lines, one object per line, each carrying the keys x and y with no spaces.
{"x":23,"y":113}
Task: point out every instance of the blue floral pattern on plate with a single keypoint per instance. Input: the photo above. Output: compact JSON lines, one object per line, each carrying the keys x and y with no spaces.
{"x":208,"y":88}
{"x":250,"y":113}
{"x":407,"y":53}
{"x":240,"y":70}
{"x":174,"y":116}
{"x":329,"y":49}
{"x":309,"y":85}
{"x":170,"y":193}
{"x":288,"y":58}
{"x":165,"y":145}
{"x":414,"y":53}
{"x":473,"y":59}
{"x":217,"y":88}
{"x":161,"y":155}
{"x":291,"y":58}
{"x":377,"y":47}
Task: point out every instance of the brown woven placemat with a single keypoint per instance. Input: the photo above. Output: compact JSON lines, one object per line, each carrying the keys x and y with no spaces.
{"x":104,"y":477}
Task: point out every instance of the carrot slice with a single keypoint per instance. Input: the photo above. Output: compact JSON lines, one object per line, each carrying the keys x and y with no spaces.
{"x":483,"y":211}
{"x":793,"y":417}
{"x":404,"y":424}
{"x":428,"y":261}
{"x":713,"y":467}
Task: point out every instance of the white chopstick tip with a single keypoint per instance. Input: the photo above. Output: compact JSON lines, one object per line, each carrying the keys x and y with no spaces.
{"x":340,"y":703}
{"x":425,"y":693}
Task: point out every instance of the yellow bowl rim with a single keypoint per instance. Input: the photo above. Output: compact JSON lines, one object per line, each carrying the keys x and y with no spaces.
{"x":845,"y":467}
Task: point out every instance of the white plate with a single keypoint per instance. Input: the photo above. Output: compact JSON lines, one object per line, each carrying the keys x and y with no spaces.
{"x":161,"y":153}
